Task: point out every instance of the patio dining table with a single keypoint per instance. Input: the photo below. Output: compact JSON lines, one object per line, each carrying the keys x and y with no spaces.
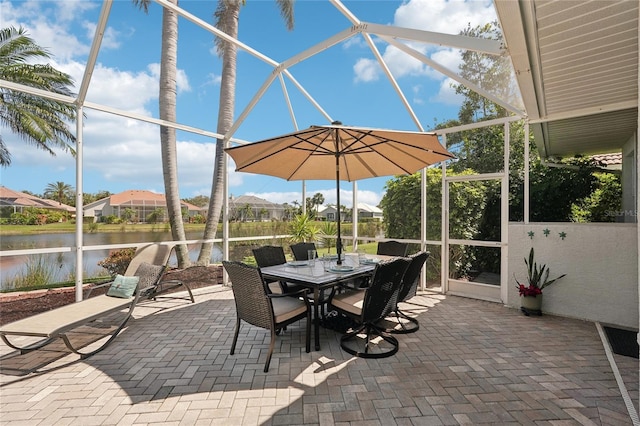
{"x":317,"y":276}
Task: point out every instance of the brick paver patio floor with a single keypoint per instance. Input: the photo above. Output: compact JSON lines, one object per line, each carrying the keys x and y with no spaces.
{"x":471,"y":362}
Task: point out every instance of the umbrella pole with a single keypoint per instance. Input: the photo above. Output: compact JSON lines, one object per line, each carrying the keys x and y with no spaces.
{"x":339,"y":242}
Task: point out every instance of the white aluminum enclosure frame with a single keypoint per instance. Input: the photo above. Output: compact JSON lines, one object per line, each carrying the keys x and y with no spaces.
{"x":473,"y":289}
{"x":391,"y":34}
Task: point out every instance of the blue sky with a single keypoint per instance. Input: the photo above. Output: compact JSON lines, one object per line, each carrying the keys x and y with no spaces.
{"x":121,"y":153}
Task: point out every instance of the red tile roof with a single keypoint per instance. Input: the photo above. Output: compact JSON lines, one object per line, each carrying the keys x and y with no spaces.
{"x":139,"y":197}
{"x":608,"y":159}
{"x":9,"y":197}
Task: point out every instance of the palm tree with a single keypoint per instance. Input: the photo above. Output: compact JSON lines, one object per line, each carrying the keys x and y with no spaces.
{"x":226,"y":16}
{"x":317,"y":201}
{"x":59,"y":191}
{"x":167,"y":104}
{"x":38,"y":121}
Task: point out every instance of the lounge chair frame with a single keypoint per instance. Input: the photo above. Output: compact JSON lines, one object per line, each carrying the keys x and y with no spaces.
{"x":56,"y":323}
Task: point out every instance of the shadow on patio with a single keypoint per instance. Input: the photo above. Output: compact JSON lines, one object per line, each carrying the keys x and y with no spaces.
{"x":471,"y":362}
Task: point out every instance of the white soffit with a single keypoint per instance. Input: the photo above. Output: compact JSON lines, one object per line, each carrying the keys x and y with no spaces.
{"x":576,"y":63}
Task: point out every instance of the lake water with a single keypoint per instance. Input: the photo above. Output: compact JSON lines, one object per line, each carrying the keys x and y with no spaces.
{"x":10,"y":266}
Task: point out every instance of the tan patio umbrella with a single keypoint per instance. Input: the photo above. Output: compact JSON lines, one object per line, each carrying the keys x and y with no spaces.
{"x":341,"y":153}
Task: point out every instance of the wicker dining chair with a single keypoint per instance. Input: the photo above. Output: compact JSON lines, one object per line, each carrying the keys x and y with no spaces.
{"x":408,"y":288}
{"x":256,"y":306}
{"x":300,"y":250}
{"x":270,"y":256}
{"x":393,"y":248}
{"x":368,"y":307}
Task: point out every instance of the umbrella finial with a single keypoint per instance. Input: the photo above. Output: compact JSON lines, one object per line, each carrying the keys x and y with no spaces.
{"x":337,"y":123}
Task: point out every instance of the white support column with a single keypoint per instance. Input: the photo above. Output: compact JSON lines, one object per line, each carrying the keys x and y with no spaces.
{"x":79,"y":205}
{"x":504,"y":219}
{"x":423,"y":224}
{"x":526,"y":172}
{"x":444,"y":223}
{"x":225,"y":215}
{"x":354,"y":216}
{"x":304,"y":197}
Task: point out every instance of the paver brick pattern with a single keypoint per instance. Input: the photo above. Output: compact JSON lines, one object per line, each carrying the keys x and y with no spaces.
{"x":471,"y":362}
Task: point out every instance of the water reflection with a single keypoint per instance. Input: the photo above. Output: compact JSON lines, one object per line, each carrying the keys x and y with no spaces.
{"x":64,"y":263}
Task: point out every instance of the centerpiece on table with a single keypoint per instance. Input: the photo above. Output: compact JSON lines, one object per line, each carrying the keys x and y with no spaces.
{"x":538,"y":279}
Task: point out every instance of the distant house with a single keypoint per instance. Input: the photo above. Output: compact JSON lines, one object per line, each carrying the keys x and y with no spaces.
{"x":249,"y":208}
{"x":134,"y":205}
{"x":15,"y":202}
{"x":365,"y":211}
{"x":328,"y":213}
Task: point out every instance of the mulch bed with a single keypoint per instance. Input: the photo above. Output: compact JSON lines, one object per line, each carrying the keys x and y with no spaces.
{"x":18,"y":305}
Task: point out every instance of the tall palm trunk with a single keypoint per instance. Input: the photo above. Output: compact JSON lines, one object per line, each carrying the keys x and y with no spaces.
{"x":225,"y":121}
{"x":167,"y":102}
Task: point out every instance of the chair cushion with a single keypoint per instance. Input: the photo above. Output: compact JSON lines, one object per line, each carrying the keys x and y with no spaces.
{"x":349,"y":301}
{"x":123,"y":287}
{"x":285,"y":308}
{"x":149,"y":274}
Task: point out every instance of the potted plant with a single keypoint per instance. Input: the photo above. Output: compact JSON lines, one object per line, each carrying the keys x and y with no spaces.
{"x":538,"y":279}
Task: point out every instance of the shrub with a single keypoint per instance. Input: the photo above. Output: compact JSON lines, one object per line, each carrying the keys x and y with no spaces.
{"x":111,"y":219}
{"x":117,"y":261}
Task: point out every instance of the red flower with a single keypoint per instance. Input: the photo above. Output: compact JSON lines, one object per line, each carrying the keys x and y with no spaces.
{"x":528,"y":290}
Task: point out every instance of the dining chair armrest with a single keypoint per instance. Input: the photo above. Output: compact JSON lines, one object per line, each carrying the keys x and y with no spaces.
{"x":302,"y":293}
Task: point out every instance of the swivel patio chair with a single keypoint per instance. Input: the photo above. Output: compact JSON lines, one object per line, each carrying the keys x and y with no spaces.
{"x":408,"y":288}
{"x":368,"y":307}
{"x":257,"y":306}
{"x":392,"y":248}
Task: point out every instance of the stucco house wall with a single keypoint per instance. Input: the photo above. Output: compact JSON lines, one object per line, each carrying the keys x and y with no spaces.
{"x":601,"y":263}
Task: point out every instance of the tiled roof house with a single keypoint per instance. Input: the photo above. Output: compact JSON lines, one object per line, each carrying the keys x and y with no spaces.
{"x":252,"y":208}
{"x":365,"y":211}
{"x":141,"y":202}
{"x":17,"y":201}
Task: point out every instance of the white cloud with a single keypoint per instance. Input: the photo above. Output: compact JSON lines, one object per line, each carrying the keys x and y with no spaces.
{"x":213,"y":79}
{"x":109,"y":38}
{"x":442,"y":16}
{"x":366,"y":70}
{"x":402,"y":64}
{"x":48,"y":31}
{"x":447,"y":94}
{"x":182,"y":81}
{"x":66,"y":11}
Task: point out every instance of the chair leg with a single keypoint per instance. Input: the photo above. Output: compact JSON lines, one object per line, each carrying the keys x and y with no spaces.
{"x":235,"y":336}
{"x":407,"y":324}
{"x":190,"y":293}
{"x":308,"y":338}
{"x":371,"y":333}
{"x":271,"y":346}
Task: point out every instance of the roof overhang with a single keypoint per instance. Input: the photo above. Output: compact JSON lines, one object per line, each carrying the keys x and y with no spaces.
{"x":576,"y":64}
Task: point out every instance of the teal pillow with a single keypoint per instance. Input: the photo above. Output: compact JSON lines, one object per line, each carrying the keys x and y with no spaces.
{"x":123,"y":287}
